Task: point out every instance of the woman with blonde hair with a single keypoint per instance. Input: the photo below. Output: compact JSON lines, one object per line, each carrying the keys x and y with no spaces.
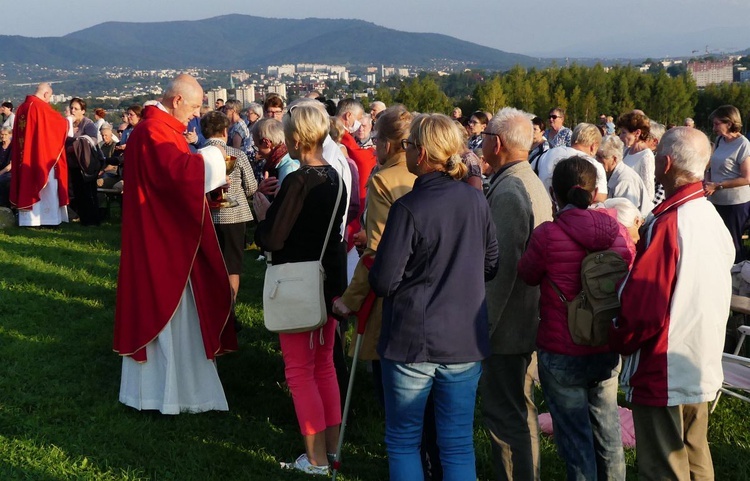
{"x":437,"y":250}
{"x":293,"y":229}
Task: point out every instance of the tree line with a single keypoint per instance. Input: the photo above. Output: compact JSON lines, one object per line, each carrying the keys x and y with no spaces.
{"x":584,"y":93}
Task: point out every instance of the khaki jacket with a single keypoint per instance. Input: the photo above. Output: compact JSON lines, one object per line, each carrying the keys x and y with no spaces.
{"x":519,"y":203}
{"x":385,"y":187}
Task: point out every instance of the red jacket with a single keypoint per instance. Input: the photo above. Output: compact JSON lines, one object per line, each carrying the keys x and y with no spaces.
{"x":675,"y":304}
{"x":555,"y":252}
{"x":365,"y":160}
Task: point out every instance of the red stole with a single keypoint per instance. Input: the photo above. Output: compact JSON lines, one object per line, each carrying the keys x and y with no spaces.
{"x":39,"y":134}
{"x":168,"y":238}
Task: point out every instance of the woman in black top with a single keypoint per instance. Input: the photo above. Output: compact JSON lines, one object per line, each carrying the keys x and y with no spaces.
{"x":85,"y":201}
{"x":293,"y":229}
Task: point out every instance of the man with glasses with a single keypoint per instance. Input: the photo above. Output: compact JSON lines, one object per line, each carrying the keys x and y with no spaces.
{"x":273,"y":107}
{"x":518,"y":203}
{"x":557,"y":134}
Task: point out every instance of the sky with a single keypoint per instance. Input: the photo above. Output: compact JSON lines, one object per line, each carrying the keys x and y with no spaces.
{"x":540,"y":28}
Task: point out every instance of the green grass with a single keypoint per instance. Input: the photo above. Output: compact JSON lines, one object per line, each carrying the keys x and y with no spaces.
{"x":59,"y":382}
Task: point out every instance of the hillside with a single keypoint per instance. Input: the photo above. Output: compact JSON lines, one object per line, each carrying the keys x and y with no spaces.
{"x":242,"y":41}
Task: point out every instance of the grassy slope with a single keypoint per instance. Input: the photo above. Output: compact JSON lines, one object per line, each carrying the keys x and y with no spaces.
{"x":59,"y":380}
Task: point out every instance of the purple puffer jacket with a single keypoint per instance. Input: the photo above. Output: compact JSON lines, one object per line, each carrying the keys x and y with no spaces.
{"x":555,"y":252}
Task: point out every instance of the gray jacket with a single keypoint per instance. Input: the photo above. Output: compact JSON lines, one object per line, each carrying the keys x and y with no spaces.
{"x":518,"y":203}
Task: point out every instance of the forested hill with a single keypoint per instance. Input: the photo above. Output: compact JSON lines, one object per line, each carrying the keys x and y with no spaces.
{"x":242,"y":41}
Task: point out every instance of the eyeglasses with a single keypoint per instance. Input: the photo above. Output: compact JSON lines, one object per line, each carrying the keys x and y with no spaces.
{"x":490,"y":133}
{"x":120,"y":131}
{"x":406,"y":142}
{"x":555,"y":117}
{"x":274,"y":112}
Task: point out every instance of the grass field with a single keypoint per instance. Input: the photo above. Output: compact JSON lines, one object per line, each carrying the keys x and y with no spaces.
{"x":59,"y":381}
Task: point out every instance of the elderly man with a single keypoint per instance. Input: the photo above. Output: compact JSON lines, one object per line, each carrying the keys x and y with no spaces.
{"x":622,"y":180}
{"x":586,"y":139}
{"x":375,"y":108}
{"x":363,"y":135}
{"x":519,"y":203}
{"x":675,"y":305}
{"x":173,"y":294}
{"x":689,"y":122}
{"x":39,"y":185}
{"x":350,"y":111}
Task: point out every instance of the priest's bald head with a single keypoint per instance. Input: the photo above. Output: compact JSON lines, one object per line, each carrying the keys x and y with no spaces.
{"x":44,"y":91}
{"x":183,"y":98}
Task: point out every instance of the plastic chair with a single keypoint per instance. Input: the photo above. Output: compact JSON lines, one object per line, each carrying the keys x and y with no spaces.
{"x":736,"y":372}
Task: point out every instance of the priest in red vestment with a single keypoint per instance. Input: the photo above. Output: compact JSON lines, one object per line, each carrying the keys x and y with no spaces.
{"x":39,"y":185}
{"x":173,"y":295}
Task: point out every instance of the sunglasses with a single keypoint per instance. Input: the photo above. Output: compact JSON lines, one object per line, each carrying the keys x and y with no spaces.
{"x":555,"y":117}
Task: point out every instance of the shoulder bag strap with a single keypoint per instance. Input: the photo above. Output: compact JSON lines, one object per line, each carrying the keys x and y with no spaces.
{"x":333,"y":216}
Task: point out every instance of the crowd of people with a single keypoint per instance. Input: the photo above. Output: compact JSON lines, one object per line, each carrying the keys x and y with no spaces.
{"x":470,"y":234}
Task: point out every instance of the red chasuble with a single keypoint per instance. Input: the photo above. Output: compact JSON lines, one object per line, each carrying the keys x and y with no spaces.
{"x":39,"y":134}
{"x":167,"y":238}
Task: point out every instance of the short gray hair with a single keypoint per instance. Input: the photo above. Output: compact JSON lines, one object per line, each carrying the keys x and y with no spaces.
{"x":514,"y":128}
{"x":349,"y":105}
{"x":586,"y":135}
{"x":611,"y":146}
{"x":270,"y":129}
{"x":657,"y":130}
{"x":256,"y":108}
{"x":689,"y":148}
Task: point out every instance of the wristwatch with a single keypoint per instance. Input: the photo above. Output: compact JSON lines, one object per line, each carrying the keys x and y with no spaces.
{"x":719,"y":186}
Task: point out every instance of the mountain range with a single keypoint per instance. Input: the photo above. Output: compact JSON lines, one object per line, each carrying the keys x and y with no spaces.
{"x":243,"y":41}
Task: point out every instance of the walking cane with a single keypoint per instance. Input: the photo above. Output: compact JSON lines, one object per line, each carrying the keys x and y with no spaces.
{"x":362,"y":315}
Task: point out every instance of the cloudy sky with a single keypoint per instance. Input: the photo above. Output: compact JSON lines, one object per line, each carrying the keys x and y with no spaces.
{"x":574,"y":28}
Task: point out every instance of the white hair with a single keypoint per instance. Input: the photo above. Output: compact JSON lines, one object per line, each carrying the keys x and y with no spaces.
{"x":611,"y":146}
{"x":514,"y":128}
{"x":627,"y":213}
{"x":656,"y":131}
{"x":689,"y":149}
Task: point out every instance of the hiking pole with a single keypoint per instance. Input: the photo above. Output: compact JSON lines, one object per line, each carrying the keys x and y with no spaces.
{"x":362,"y":315}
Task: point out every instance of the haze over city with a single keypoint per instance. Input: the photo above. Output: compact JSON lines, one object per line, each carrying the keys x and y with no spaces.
{"x":544,"y":28}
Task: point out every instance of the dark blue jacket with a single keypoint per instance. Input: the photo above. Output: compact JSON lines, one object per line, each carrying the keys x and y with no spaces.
{"x":437,"y":250}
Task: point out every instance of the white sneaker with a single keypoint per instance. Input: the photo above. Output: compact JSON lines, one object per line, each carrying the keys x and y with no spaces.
{"x":303,"y":464}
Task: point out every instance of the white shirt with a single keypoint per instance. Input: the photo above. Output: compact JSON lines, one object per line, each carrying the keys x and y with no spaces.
{"x":553,"y":156}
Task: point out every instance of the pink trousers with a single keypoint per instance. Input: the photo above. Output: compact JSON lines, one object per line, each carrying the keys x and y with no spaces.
{"x":311,"y":377}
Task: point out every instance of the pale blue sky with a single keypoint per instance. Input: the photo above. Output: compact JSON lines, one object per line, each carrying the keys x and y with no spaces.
{"x":572,"y":28}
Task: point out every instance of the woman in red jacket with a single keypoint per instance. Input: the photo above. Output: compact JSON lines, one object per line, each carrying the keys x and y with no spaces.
{"x":579,"y":382}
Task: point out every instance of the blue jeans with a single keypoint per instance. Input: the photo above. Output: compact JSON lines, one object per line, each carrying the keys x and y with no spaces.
{"x":454,"y":390}
{"x":581,"y":392}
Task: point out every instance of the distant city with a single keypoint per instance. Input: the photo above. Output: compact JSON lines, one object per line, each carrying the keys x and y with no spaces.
{"x":118,"y":84}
